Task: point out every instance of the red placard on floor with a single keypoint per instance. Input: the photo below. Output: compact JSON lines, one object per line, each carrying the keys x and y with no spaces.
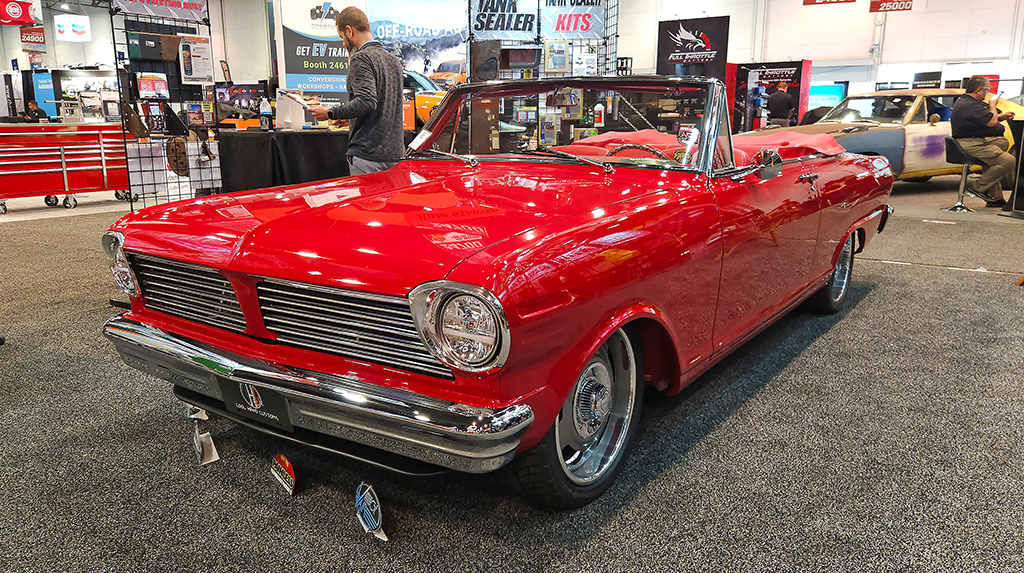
{"x":891,"y":5}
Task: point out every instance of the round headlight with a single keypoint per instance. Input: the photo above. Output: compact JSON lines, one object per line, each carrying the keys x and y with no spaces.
{"x":469,"y":329}
{"x":463,"y":325}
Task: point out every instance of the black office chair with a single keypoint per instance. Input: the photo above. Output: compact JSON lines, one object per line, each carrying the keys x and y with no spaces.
{"x":956,"y":154}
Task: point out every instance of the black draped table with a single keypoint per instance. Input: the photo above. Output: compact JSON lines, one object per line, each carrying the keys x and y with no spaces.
{"x":256,"y":159}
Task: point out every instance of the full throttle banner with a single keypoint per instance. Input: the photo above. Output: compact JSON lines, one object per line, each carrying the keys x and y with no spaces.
{"x":696,"y":47}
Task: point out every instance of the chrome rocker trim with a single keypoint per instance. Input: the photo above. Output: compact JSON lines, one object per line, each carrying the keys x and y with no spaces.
{"x":437,"y":432}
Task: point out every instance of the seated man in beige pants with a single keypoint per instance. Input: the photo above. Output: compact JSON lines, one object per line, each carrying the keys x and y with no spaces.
{"x":976,"y":128}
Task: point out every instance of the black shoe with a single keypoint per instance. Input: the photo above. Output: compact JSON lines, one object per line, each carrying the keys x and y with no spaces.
{"x":996,"y":203}
{"x":970,"y":190}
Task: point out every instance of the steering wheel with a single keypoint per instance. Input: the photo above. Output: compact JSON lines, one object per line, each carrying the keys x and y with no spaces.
{"x":655,"y":152}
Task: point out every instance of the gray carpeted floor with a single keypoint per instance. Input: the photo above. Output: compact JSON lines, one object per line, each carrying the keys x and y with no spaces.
{"x":886,"y":438}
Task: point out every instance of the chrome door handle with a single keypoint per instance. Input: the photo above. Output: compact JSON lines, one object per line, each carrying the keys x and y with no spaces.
{"x":810,"y":176}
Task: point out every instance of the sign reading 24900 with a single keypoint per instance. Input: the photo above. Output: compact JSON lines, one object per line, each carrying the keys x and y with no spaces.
{"x":891,"y":5}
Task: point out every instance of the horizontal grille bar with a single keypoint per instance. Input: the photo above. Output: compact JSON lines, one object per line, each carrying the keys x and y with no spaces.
{"x":192,"y":292}
{"x":362,"y":326}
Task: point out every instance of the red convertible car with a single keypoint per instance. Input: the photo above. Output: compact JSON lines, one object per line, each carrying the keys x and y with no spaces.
{"x":492,"y":301}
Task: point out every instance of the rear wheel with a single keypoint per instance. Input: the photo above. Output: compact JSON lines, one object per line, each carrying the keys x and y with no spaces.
{"x":581,"y":453}
{"x":831,"y":298}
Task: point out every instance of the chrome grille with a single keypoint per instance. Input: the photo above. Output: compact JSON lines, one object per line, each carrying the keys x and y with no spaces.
{"x":368,"y":327}
{"x":192,"y":292}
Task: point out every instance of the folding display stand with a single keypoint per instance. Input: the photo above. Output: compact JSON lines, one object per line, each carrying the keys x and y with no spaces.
{"x":170,"y":164}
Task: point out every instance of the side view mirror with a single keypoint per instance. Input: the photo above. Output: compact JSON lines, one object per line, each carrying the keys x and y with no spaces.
{"x":934,"y":118}
{"x":767,"y":164}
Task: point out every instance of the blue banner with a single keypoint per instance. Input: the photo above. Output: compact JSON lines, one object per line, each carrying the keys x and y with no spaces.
{"x":42,"y":84}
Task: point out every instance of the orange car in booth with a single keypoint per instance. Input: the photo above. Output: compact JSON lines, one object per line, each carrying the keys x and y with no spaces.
{"x":450,"y":74}
{"x":427,"y":95}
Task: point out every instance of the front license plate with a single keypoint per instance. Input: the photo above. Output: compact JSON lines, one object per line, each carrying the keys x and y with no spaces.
{"x":257,"y":403}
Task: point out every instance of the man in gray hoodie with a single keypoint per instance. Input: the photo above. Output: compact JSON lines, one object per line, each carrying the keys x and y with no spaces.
{"x":374,"y":107}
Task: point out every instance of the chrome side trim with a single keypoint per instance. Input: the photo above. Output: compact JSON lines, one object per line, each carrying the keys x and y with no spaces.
{"x":440,"y":432}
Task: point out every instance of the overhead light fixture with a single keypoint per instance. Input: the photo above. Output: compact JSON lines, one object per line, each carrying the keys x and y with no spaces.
{"x":65,"y":6}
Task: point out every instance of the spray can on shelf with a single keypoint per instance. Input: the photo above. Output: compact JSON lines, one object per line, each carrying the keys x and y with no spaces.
{"x":599,"y":115}
{"x":266,"y":115}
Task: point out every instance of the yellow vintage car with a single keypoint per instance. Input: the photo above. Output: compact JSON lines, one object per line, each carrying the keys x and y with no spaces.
{"x":908,"y":127}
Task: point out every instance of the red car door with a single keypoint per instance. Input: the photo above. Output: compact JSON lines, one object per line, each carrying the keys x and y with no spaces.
{"x":770,"y":231}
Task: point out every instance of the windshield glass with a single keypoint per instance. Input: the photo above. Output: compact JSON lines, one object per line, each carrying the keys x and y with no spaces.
{"x":418,"y":82}
{"x":880,"y":109}
{"x":448,"y":68}
{"x":656,"y":125}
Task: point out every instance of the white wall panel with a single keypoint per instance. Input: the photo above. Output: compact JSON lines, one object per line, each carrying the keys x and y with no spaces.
{"x":240,"y":35}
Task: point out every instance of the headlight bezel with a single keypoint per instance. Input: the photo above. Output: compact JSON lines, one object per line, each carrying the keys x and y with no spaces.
{"x":113,"y":242}
{"x":428,"y":302}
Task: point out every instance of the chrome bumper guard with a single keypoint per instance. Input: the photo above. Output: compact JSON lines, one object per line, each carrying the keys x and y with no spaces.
{"x":437,"y":432}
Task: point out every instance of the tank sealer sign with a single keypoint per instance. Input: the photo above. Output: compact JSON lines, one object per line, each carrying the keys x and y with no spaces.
{"x":368,"y":510}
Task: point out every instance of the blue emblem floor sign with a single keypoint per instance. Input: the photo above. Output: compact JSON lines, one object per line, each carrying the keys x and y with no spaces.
{"x":368,"y":510}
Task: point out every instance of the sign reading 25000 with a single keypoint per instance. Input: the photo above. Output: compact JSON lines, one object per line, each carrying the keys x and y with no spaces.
{"x":314,"y":57}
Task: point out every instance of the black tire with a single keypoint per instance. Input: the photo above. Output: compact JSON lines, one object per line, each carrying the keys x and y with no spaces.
{"x":543,"y":474}
{"x":918,"y":179}
{"x":70,"y":202}
{"x":51,"y":201}
{"x":3,"y":209}
{"x":832,"y":297}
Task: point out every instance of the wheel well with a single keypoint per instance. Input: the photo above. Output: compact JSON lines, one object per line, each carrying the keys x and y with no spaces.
{"x":661,"y":364}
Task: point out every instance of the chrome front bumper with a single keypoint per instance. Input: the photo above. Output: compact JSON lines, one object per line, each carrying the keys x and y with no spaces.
{"x":437,"y":432}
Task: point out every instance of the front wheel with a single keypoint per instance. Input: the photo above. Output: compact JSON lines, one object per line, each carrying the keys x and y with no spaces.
{"x":581,"y":453}
{"x":831,"y":298}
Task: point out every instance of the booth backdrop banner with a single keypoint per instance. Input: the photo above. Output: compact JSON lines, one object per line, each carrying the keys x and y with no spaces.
{"x":33,"y":39}
{"x":927,"y":80}
{"x":42,"y":86}
{"x":890,"y":5}
{"x":196,"y":57}
{"x":696,"y":47}
{"x":572,"y":19}
{"x":194,"y":10}
{"x":16,"y":13}
{"x":797,"y":74}
{"x":67,"y":83}
{"x":504,"y":19}
{"x":308,"y":46}
{"x":421,"y":34}
{"x":72,"y":28}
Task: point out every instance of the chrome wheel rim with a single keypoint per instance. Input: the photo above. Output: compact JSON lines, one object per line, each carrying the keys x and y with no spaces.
{"x":841,"y":274}
{"x":592,"y":427}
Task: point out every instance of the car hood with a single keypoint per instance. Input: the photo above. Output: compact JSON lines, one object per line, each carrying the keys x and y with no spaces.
{"x":837,"y":129}
{"x":384,"y":232}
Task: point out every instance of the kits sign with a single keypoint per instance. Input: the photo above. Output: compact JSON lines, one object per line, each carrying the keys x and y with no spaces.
{"x":503,"y":19}
{"x":308,"y":45}
{"x":194,"y":10}
{"x":694,"y":47}
{"x":16,"y":13}
{"x":33,"y":39}
{"x":572,"y":19}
